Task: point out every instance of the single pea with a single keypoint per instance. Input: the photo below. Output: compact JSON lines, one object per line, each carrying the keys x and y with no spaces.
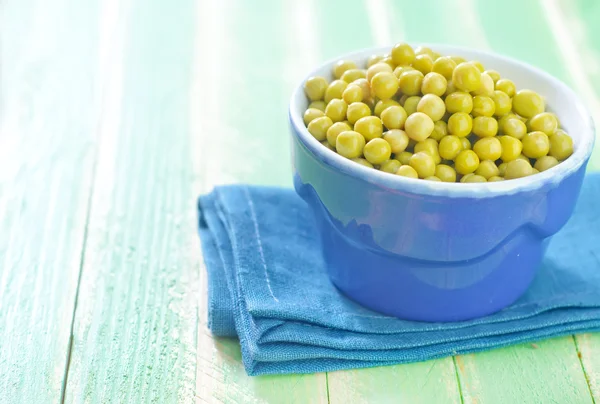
{"x":389,"y":61}
{"x":466,"y":162}
{"x":336,"y":110}
{"x":354,"y":74}
{"x":423,"y":63}
{"x":528,"y":103}
{"x":545,"y":163}
{"x":365,"y":87}
{"x":506,"y":86}
{"x":380,"y":67}
{"x":544,"y":122}
{"x":536,"y":144}
{"x":493,"y":74}
{"x":445,"y":173}
{"x":356,"y":111}
{"x":352,"y":93}
{"x":424,"y":50}
{"x":407,"y":171}
{"x":466,"y":77}
{"x":335,"y":90}
{"x":561,"y":145}
{"x":459,"y":102}
{"x":311,"y":114}
{"x":514,"y":127}
{"x":334,"y":130}
{"x":430,"y":147}
{"x":478,"y":65}
{"x":440,"y":129}
{"x":502,"y":169}
{"x":469,"y":178}
{"x":463,"y":178}
{"x":418,"y":126}
{"x":487,"y":86}
{"x":350,"y":144}
{"x":326,"y":144}
{"x":401,"y":69}
{"x":410,"y":82}
{"x":383,"y":105}
{"x":444,"y":66}
{"x":433,"y":178}
{"x":495,"y":179}
{"x":411,"y":103}
{"x":318,"y":127}
{"x":433,"y":106}
{"x":384,"y":85}
{"x":483,"y":106}
{"x":374,"y":59}
{"x":450,"y":146}
{"x":377,"y":151}
{"x":522,"y":157}
{"x":423,"y":164}
{"x":466,"y":143}
{"x":517,"y":169}
{"x":320,"y":105}
{"x":404,"y":157}
{"x":458,"y":59}
{"x":460,"y":124}
{"x":390,"y":166}
{"x":487,"y":169}
{"x":450,"y":88}
{"x":511,"y":148}
{"x":341,"y":66}
{"x":403,"y":54}
{"x":485,"y":126}
{"x":394,"y":117}
{"x":315,"y":88}
{"x":434,"y":83}
{"x":502,"y":103}
{"x":488,"y":148}
{"x":363,"y":162}
{"x":370,"y":127}
{"x":398,"y":140}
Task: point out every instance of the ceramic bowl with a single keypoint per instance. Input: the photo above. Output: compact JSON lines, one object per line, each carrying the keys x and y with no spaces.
{"x":433,"y":251}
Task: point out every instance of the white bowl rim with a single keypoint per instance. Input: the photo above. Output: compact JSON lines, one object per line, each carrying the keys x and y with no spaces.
{"x":552,"y":177}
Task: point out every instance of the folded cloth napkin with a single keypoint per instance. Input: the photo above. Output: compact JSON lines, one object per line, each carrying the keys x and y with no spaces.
{"x":267,"y":284}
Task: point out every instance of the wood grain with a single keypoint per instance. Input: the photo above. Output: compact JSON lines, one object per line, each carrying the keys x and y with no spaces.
{"x":545,"y":372}
{"x":47,"y":142}
{"x":425,"y":382}
{"x":135,"y":324}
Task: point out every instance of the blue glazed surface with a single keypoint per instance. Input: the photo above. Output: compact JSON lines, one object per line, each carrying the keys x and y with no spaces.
{"x":432,"y":251}
{"x":430,"y":258}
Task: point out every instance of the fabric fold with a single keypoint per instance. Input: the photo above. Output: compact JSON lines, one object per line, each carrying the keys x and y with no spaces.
{"x":268,"y":285}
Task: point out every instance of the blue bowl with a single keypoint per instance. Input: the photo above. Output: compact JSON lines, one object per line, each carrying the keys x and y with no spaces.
{"x":432,"y":251}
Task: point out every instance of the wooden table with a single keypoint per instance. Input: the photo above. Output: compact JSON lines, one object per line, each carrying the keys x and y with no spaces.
{"x":116,"y":114}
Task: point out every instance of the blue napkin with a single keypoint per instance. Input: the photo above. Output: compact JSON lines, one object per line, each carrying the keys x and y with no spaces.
{"x":267,"y":284}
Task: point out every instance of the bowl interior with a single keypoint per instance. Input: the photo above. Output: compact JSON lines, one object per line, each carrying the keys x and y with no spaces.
{"x":573,"y":115}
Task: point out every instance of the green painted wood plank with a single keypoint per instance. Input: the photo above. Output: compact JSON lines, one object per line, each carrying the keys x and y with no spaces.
{"x":588,"y":350}
{"x":48,"y":65}
{"x":239,"y":139}
{"x":135,"y":328}
{"x":582,"y":20}
{"x":424,"y":382}
{"x":546,"y":372}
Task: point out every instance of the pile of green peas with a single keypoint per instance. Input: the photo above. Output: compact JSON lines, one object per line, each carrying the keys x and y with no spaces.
{"x":418,"y":114}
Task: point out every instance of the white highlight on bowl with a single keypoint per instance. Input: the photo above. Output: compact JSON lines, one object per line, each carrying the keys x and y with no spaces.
{"x":573,"y":115}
